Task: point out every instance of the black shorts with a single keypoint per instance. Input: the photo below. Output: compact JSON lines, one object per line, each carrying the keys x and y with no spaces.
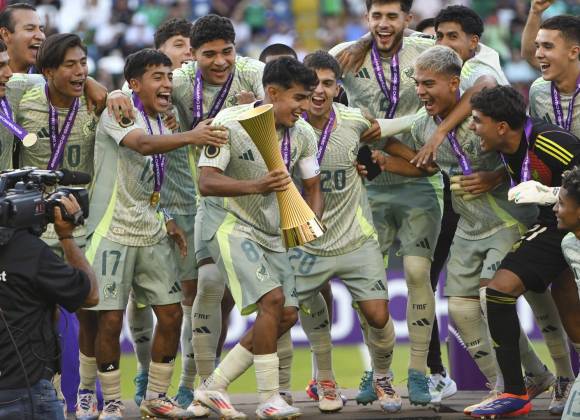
{"x":537,"y":257}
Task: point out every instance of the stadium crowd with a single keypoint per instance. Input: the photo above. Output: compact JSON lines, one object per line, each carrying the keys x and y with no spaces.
{"x":418,"y":139}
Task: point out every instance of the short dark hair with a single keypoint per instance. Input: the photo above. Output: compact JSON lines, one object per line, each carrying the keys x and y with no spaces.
{"x":406,"y":5}
{"x":6,"y":15}
{"x":53,"y":50}
{"x":322,"y":60}
{"x":2,"y":46}
{"x":171,"y":28}
{"x":571,"y":183}
{"x":211,"y":27}
{"x":467,"y":18}
{"x":501,"y":103}
{"x":277,"y":49}
{"x":567,"y":24}
{"x":424,"y":24}
{"x":287,"y":71}
{"x":137,"y":63}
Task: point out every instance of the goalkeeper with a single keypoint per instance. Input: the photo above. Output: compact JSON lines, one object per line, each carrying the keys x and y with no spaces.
{"x":536,"y":154}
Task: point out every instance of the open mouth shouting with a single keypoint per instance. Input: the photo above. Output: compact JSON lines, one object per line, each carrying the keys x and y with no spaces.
{"x":163,"y":99}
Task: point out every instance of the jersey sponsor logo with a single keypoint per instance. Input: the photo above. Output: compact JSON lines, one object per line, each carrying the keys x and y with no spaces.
{"x":211,"y":151}
{"x":408,"y":72}
{"x":363,"y":74}
{"x":247,"y":155}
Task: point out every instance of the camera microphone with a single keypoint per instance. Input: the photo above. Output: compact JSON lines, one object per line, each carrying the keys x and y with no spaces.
{"x":67,"y":177}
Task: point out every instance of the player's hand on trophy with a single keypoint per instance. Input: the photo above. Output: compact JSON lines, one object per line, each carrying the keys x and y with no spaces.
{"x":178,"y":235}
{"x":540,"y":6}
{"x":211,"y":135}
{"x":120,"y":106}
{"x":533,"y":192}
{"x":274,"y":181}
{"x":245,"y":97}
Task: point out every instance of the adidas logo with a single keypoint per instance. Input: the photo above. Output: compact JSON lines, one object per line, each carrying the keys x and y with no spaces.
{"x":547,"y":118}
{"x":43,"y":133}
{"x":421,"y":323}
{"x":202,"y":330}
{"x":423,"y":244}
{"x":175,"y":289}
{"x":141,"y":340}
{"x":480,"y":354}
{"x":110,"y":368}
{"x":247,"y":155}
{"x":494,"y":266}
{"x":549,"y":328}
{"x":363,"y":74}
{"x":379,"y":286}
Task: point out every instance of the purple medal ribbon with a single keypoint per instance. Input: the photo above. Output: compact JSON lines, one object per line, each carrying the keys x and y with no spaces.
{"x":459,"y":153}
{"x":158,"y":159}
{"x":557,"y":105}
{"x":325,"y":136}
{"x":58,"y":140}
{"x":393,"y":93}
{"x":7,"y":120}
{"x":526,"y":173}
{"x":286,"y":148}
{"x":198,"y":98}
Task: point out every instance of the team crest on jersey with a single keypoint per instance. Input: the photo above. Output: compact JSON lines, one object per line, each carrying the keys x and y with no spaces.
{"x":408,"y":72}
{"x":211,"y":151}
{"x":90,"y":127}
{"x":262,"y":273}
{"x":110,"y":290}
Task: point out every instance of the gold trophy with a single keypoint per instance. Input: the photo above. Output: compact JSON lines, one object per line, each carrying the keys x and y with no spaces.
{"x":298,"y":222}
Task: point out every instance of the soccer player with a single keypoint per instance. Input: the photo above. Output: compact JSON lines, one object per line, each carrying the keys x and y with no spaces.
{"x":274,"y":51}
{"x":23,"y":33}
{"x":383,"y":88}
{"x":241,"y":230}
{"x":172,"y":39}
{"x":349,"y":248}
{"x":567,"y":211}
{"x":214,"y":81}
{"x":532,"y":150}
{"x":460,"y":28}
{"x":129,"y":243}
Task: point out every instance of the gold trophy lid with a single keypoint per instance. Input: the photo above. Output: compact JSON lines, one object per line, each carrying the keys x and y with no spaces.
{"x":254,"y":112}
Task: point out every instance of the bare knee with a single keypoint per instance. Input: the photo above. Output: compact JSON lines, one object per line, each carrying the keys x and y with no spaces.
{"x":169,"y":316}
{"x":375,"y":312}
{"x":272,"y":302}
{"x":507,"y":282}
{"x":289,"y":318}
{"x":110,"y":323}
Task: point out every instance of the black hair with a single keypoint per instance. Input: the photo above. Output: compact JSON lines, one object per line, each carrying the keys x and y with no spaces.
{"x":287,"y":71}
{"x":2,"y":46}
{"x":53,"y":50}
{"x":171,"y":28}
{"x":567,"y":24}
{"x":424,"y":24}
{"x":137,"y":63}
{"x":571,"y":183}
{"x":6,"y":15}
{"x":277,"y":49}
{"x":211,"y":27}
{"x":322,"y":60}
{"x":405,"y":4}
{"x":467,"y":18}
{"x":501,"y":103}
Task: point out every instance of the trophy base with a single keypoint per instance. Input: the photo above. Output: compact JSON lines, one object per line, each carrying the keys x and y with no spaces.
{"x":300,"y":235}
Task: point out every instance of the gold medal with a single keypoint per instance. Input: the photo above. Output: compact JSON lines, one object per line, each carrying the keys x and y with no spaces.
{"x":29,"y":140}
{"x":155,"y":197}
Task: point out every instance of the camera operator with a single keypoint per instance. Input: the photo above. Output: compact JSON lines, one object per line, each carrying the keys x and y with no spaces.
{"x":33,"y":280}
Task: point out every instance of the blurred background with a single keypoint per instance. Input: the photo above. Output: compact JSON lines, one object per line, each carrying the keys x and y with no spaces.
{"x":112,"y":29}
